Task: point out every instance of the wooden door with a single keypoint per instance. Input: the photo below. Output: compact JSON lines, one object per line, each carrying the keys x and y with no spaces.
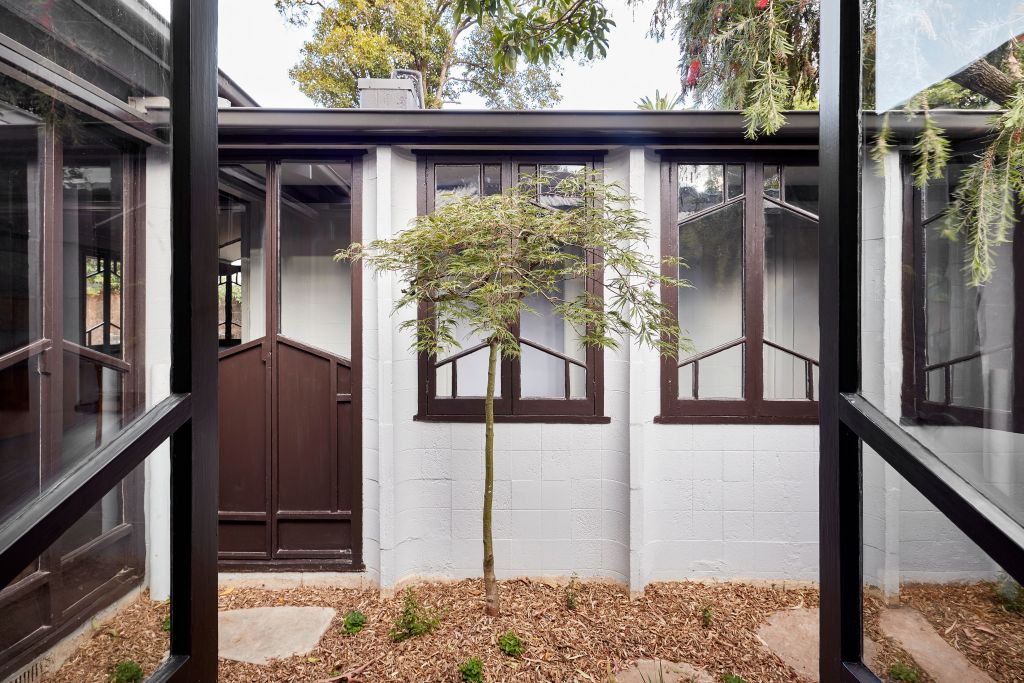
{"x":290,"y":455}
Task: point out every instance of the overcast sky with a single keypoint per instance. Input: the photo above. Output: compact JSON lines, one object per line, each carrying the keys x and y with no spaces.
{"x":257,"y":48}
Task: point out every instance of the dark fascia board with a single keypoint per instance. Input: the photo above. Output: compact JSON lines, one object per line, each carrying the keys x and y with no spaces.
{"x":958,"y":124}
{"x":283,"y":127}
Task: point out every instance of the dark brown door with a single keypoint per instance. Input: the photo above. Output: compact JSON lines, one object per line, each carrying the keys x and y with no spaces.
{"x":290,"y":472}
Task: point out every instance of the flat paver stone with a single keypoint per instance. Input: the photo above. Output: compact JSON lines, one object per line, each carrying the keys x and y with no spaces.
{"x":260,"y":634}
{"x":943,"y":662}
{"x":792,"y":634}
{"x":675,"y":672}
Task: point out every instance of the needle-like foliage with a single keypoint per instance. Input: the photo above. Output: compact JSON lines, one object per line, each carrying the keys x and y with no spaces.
{"x":475,"y":262}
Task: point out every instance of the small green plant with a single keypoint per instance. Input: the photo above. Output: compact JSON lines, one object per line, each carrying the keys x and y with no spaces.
{"x":707,"y":616}
{"x":572,"y":593}
{"x":126,"y":671}
{"x":733,"y":678}
{"x":510,"y":644}
{"x":167,"y":623}
{"x":904,"y":672}
{"x":354,"y":622}
{"x":472,"y":670}
{"x":1010,"y":595}
{"x":413,"y":620}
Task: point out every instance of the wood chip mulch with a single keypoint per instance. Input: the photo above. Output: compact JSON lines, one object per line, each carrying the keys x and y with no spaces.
{"x":969,"y":616}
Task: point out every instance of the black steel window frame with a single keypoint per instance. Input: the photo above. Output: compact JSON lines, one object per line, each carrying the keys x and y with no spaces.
{"x":753,"y":408}
{"x":846,"y":419}
{"x":510,"y":406}
{"x":189,"y":415}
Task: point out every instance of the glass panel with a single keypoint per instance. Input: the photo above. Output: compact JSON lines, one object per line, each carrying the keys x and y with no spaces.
{"x":93,"y":196}
{"x":95,"y":406}
{"x":543,"y":374}
{"x":454,"y":181}
{"x":802,"y":187}
{"x":772,"y":185}
{"x":117,"y":543}
{"x":963,"y":338}
{"x":316,"y":291}
{"x":241,"y":289}
{"x":700,"y":187}
{"x":790,"y":301}
{"x":711,"y":312}
{"x":471,"y":369}
{"x":719,"y":376}
{"x":550,"y":199}
{"x":19,"y":436}
{"x":685,"y":380}
{"x":930,"y":593}
{"x":492,"y":179}
{"x":20,"y":234}
{"x":733,"y":180}
{"x":122,"y":47}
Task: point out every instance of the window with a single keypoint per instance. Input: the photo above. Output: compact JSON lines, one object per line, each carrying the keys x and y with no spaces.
{"x":959,"y":338}
{"x":748,"y":234}
{"x":555,"y":379}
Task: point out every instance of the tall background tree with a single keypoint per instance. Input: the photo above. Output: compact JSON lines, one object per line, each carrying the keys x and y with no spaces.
{"x":355,"y":39}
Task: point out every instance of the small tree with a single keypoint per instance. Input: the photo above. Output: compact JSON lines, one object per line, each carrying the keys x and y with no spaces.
{"x":476,"y":262}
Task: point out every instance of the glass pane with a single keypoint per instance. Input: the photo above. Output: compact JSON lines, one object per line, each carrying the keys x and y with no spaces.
{"x":802,"y":187}
{"x":121,"y":47}
{"x":316,"y":220}
{"x":19,"y":435}
{"x":711,"y":312}
{"x":241,"y":289}
{"x":20,"y":234}
{"x":733,"y":180}
{"x":719,"y":376}
{"x":790,"y":301}
{"x":933,"y":600}
{"x":93,"y":217}
{"x":119,"y":544}
{"x":452,"y":181}
{"x":470,"y":370}
{"x":941,"y":311}
{"x":700,"y":187}
{"x":685,"y":379}
{"x":95,"y":406}
{"x":555,"y":173}
{"x":772,"y":184}
{"x":543,"y":374}
{"x":492,"y":179}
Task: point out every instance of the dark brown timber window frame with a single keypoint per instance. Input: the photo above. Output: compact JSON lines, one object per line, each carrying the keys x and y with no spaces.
{"x":917,"y":407}
{"x":753,"y":408}
{"x":510,"y":406}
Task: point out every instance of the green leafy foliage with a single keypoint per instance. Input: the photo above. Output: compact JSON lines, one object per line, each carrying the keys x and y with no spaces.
{"x":354,"y":622}
{"x":472,"y":670}
{"x":510,"y":644}
{"x":904,"y":672}
{"x":355,"y":39}
{"x":1010,"y":595}
{"x":126,"y":671}
{"x":572,"y":593}
{"x":661,"y":102}
{"x":733,"y":678}
{"x":167,"y":623}
{"x":414,"y":620}
{"x":707,"y":616}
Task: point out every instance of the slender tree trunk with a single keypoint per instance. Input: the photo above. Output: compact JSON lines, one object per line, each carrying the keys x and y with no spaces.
{"x":490,"y":585}
{"x":985,"y":79}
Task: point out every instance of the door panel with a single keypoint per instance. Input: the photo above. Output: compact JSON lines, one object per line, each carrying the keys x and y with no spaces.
{"x":306,"y":461}
{"x":243,"y":450}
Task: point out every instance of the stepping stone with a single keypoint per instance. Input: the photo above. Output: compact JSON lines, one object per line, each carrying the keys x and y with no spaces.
{"x":647,"y":670}
{"x":260,"y":634}
{"x":792,"y":634}
{"x":942,"y":661}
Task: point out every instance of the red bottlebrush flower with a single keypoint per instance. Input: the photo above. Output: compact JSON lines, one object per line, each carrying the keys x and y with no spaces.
{"x":692,"y":73}
{"x":762,"y":4}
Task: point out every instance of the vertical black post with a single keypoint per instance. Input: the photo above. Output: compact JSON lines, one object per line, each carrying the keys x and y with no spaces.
{"x":194,"y":335}
{"x":840,"y":469}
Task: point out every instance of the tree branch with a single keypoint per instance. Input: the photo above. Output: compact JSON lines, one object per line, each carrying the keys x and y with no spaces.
{"x":985,"y":79}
